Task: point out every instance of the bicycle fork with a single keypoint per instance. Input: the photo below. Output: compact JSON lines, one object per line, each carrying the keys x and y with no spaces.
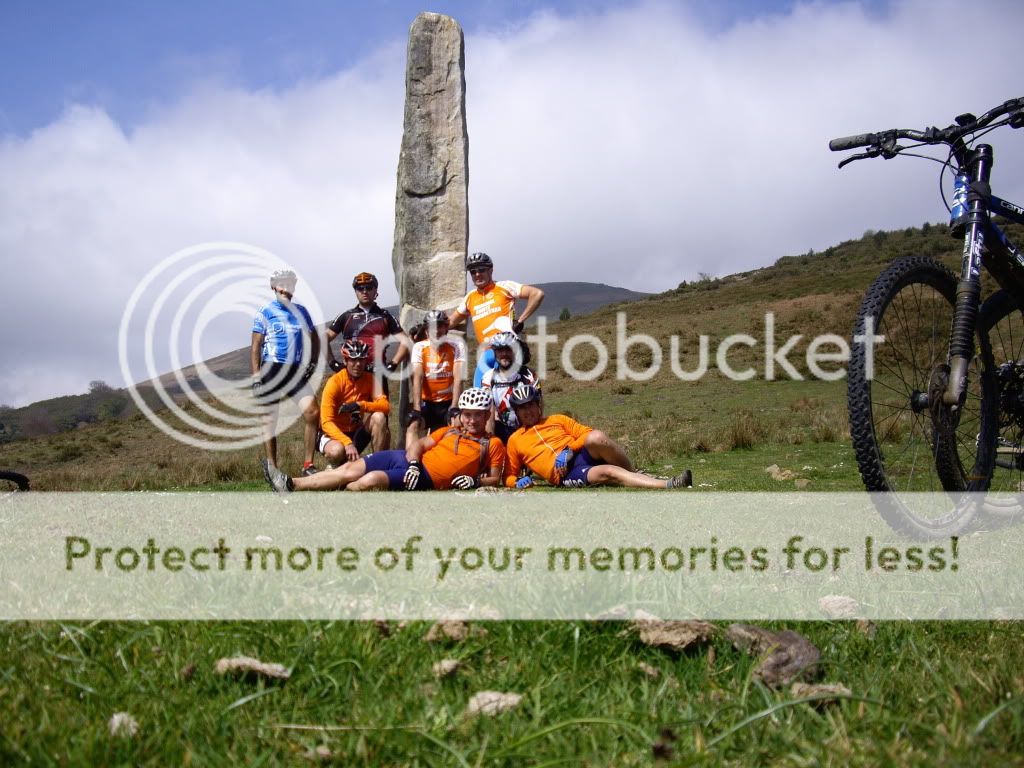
{"x":968,"y":290}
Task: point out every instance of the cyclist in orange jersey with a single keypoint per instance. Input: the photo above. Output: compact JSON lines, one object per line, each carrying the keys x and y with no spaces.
{"x":491,"y":307}
{"x":353,"y":409}
{"x":438,"y":368}
{"x":569,"y":454}
{"x":461,"y":457}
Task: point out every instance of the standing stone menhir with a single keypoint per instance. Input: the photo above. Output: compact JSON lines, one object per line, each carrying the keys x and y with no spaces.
{"x":431,"y":202}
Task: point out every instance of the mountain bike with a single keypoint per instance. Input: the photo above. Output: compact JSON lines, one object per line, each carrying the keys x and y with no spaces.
{"x":12,"y":481}
{"x":937,"y":403}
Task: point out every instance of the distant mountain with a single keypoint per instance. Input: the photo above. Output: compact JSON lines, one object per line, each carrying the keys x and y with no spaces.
{"x":582,"y":298}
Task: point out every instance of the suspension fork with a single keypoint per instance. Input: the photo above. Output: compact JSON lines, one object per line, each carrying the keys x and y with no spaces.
{"x":968,"y":290}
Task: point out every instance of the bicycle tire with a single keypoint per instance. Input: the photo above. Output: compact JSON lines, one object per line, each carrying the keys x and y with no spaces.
{"x":900,"y":445}
{"x":1002,"y":322}
{"x":15,"y":477}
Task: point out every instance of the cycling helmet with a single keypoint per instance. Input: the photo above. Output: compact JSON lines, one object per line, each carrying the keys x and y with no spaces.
{"x":475,"y":399}
{"x":282,"y":277}
{"x":435,"y":316}
{"x":504,"y":339}
{"x":364,"y":280}
{"x":478,"y":259}
{"x":523,"y":393}
{"x":354,"y":349}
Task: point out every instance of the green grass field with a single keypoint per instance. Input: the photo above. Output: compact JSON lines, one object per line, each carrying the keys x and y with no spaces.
{"x":947,"y":693}
{"x":922,"y":693}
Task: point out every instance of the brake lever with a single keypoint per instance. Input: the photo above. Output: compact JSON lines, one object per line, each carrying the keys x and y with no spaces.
{"x":874,"y":152}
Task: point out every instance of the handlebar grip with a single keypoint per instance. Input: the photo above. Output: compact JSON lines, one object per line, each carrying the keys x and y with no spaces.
{"x":851,"y":142}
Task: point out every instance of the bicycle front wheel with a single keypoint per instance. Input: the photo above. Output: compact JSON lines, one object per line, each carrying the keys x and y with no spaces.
{"x":905,"y":440}
{"x":1003,"y":324}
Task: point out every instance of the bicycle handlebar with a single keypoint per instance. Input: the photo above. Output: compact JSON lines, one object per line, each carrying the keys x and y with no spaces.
{"x":852,"y":142}
{"x":886,"y":140}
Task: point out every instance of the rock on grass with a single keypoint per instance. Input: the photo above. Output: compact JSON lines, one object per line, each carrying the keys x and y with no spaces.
{"x":246,"y":666}
{"x":787,"y":655}
{"x":123,"y":725}
{"x":838,"y":606}
{"x":491,"y":703}
{"x":446,"y":667}
{"x":779,"y":474}
{"x":826,"y":692}
{"x":452,"y":631}
{"x":673,"y":635}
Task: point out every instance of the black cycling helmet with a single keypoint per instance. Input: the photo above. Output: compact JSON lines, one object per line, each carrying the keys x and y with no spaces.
{"x":523,"y":393}
{"x":354,"y":349}
{"x":478,"y":259}
{"x":364,"y":280}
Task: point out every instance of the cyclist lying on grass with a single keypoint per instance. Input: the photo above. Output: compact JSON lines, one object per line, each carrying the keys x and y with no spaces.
{"x":460,"y":457}
{"x":567,"y":453}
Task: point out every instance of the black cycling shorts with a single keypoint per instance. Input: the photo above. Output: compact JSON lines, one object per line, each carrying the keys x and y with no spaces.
{"x":280,"y":381}
{"x":435,"y":414}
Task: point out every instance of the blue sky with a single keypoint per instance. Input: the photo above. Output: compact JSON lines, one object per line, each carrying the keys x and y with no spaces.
{"x":637,"y":144}
{"x":133,"y":55}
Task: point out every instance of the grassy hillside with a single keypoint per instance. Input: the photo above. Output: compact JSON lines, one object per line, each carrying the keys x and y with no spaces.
{"x":665,"y":423}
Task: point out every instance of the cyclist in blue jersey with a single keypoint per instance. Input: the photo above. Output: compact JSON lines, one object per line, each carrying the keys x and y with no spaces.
{"x":282,"y":366}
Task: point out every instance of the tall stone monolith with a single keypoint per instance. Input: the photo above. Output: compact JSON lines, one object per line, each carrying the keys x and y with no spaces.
{"x":431,"y":202}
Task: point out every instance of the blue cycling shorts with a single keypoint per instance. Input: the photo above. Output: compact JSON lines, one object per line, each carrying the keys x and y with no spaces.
{"x":576,"y":477}
{"x":394,"y":464}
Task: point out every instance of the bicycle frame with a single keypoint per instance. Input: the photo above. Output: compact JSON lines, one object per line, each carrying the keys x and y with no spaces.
{"x":985,"y":245}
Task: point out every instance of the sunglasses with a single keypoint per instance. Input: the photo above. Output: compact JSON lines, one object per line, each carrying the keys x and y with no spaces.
{"x":365,"y":288}
{"x":479,"y":270}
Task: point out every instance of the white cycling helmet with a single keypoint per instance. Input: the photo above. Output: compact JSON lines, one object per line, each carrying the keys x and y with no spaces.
{"x":475,"y":399}
{"x":504,"y":339}
{"x":283,"y":277}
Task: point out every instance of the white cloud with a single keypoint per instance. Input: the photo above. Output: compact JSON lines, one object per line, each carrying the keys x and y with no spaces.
{"x":631,"y":147}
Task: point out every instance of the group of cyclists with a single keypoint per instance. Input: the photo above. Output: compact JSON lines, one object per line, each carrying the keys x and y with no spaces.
{"x":492,"y":434}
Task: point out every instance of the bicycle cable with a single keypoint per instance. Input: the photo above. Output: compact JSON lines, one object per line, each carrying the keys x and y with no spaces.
{"x":947,"y":164}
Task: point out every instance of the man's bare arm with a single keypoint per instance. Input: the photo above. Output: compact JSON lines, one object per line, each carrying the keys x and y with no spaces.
{"x":534,"y":297}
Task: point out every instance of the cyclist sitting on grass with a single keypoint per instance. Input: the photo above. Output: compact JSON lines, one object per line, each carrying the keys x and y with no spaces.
{"x":460,"y":457}
{"x":353,"y":409}
{"x":569,"y":454}
{"x":492,"y":308}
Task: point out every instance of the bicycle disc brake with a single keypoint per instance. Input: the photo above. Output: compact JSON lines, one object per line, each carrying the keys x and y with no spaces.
{"x":1010,"y":383}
